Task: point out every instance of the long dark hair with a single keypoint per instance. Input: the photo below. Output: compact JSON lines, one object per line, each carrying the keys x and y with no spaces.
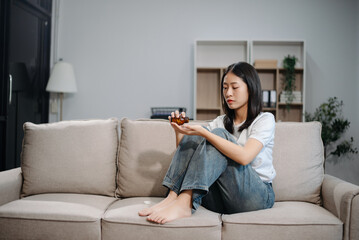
{"x":255,"y":104}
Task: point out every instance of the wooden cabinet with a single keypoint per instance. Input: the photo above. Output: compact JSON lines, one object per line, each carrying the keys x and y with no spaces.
{"x":212,"y":57}
{"x":25,"y":28}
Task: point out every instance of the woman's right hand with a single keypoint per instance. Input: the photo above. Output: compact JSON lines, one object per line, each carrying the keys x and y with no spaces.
{"x":176,"y":114}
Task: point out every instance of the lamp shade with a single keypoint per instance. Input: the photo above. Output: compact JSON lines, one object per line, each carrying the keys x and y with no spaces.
{"x":62,"y":78}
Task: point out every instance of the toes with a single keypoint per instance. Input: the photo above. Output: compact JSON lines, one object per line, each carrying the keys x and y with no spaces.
{"x":144,"y":212}
{"x":151,"y":218}
{"x":155,"y":218}
{"x":163,"y":220}
{"x":158,"y":219}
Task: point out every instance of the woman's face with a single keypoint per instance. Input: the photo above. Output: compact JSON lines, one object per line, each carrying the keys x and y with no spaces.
{"x":235,"y":91}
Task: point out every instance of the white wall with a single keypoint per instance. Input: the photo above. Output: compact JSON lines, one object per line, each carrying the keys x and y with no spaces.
{"x":349,"y":169}
{"x":132,"y":55}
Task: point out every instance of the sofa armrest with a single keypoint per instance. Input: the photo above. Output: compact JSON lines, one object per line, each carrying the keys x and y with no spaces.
{"x":10,"y":185}
{"x":342,"y":199}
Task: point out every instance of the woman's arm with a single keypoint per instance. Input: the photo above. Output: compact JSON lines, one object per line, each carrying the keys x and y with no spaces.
{"x":179,"y":137}
{"x":242,"y":155}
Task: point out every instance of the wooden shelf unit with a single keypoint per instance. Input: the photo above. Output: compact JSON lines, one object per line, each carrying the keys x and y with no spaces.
{"x":211,"y":59}
{"x":209,"y":97}
{"x":213,"y":56}
{"x":272,"y":78}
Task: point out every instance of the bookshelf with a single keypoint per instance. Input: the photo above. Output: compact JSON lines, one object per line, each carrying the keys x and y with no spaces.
{"x":211,"y":59}
{"x":213,"y":56}
{"x":272,"y":77}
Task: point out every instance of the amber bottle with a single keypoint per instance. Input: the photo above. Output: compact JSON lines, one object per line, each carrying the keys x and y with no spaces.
{"x":180,"y":120}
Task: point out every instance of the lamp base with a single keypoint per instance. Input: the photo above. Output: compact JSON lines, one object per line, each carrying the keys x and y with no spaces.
{"x":61,"y":99}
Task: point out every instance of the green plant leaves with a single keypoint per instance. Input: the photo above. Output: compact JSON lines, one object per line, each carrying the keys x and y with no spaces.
{"x":333,"y":126}
{"x":344,"y":148}
{"x":289,"y":63}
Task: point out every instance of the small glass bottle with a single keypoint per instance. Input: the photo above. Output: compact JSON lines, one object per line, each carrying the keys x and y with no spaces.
{"x":180,"y":120}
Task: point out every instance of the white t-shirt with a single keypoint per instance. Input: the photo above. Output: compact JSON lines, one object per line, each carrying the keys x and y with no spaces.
{"x":262,"y":129}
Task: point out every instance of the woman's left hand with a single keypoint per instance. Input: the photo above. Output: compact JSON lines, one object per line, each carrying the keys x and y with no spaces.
{"x":189,"y":129}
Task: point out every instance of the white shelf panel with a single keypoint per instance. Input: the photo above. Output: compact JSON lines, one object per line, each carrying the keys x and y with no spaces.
{"x":278,"y":50}
{"x":220,"y":53}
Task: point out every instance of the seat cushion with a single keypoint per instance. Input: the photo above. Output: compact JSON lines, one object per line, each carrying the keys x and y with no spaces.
{"x":286,"y":220}
{"x":298,"y":157}
{"x":54,"y":216}
{"x":122,"y":219}
{"x":70,"y":157}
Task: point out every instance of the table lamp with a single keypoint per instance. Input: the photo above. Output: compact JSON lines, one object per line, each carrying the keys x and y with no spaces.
{"x":62,"y":80}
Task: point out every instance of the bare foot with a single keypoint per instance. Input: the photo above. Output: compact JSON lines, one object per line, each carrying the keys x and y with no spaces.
{"x":179,"y":208}
{"x":169,"y":199}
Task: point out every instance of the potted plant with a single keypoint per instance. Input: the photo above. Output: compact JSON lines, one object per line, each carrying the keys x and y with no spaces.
{"x":289,"y":63}
{"x":333,"y":128}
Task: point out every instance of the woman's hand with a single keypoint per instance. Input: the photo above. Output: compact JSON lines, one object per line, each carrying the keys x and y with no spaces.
{"x":187,"y":129}
{"x":176,"y":114}
{"x":184,"y":129}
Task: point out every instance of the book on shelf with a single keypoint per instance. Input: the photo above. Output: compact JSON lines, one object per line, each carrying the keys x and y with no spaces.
{"x":269,"y":98}
{"x":265,"y":98}
{"x":273,"y":98}
{"x":297,"y":97}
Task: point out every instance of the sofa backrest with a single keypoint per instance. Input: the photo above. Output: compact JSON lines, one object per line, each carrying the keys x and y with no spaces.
{"x":146,"y":150}
{"x":147,"y":147}
{"x":70,"y":157}
{"x":82,"y":157}
{"x":298,"y":157}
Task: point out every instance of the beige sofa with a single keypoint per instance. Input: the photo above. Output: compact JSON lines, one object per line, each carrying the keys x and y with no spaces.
{"x":80,"y":180}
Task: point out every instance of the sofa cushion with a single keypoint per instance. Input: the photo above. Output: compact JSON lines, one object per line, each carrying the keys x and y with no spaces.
{"x":122,"y":219}
{"x":146,"y":150}
{"x":286,"y":220}
{"x":70,"y":157}
{"x":54,"y":216}
{"x":298,"y":157}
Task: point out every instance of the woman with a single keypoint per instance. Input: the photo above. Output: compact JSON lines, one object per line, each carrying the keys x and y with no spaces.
{"x":226,"y":167}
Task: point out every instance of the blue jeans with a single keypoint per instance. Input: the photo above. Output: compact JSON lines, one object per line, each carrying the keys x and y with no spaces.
{"x":218,"y":183}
